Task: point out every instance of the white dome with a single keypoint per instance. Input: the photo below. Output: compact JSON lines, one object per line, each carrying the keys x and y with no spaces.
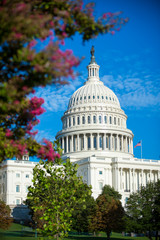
{"x":93,"y":93}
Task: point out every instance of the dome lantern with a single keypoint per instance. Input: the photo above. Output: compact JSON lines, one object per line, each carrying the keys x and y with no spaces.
{"x":93,"y":69}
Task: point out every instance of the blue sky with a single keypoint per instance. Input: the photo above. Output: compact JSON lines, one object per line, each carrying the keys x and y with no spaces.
{"x":129,"y":65}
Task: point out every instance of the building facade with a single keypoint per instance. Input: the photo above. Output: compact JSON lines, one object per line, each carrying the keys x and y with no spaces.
{"x":96,"y":137}
{"x":15,"y":178}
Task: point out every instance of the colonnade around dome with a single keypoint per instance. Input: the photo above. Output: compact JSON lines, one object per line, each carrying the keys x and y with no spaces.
{"x":96,"y":141}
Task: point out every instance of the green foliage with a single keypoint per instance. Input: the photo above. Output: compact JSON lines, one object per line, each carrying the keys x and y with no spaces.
{"x":5,"y":218}
{"x":108,"y":216}
{"x":109,"y":191}
{"x":56,"y":191}
{"x":81,"y":217}
{"x":143,"y":209}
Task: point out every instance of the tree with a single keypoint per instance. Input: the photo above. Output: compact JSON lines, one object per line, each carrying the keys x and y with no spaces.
{"x":55,"y":192}
{"x":23,"y":68}
{"x":109,"y":191}
{"x":81,"y":217}
{"x":108,"y":216}
{"x":143,"y":210}
{"x":5,"y":218}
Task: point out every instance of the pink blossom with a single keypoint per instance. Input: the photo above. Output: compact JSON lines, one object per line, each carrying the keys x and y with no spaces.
{"x":24,"y":88}
{"x":21,"y":6}
{"x":112,"y":32}
{"x":9,"y":133}
{"x":32,"y":43}
{"x":16,"y":102}
{"x":18,"y":35}
{"x":47,"y":152}
{"x":33,"y":91}
{"x":62,"y":42}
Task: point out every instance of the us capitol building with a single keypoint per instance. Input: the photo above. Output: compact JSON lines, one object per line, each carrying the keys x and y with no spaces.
{"x":96,"y":137}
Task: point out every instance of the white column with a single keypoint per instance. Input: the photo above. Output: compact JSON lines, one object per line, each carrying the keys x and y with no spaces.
{"x":122,"y":144}
{"x":77,"y":142}
{"x":121,"y":180}
{"x":104,"y":141}
{"x":111,"y":142}
{"x":85,"y":142}
{"x":66,"y":144}
{"x":130,"y":181}
{"x":71,"y":144}
{"x":63,"y":144}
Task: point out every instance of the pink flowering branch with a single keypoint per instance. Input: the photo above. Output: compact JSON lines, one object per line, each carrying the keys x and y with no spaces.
{"x":47,"y":152}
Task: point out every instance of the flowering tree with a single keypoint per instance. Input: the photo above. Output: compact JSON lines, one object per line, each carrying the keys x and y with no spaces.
{"x":55,"y":193}
{"x":23,"y":68}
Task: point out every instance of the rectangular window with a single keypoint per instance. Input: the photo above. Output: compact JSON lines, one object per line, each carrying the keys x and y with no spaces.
{"x":27,"y":189}
{"x":18,"y":201}
{"x":100,"y":119}
{"x":94,"y":119}
{"x":100,"y":185}
{"x":89,"y":142}
{"x":17,"y":175}
{"x":100,"y":172}
{"x":83,"y":120}
{"x":17,"y":188}
{"x":100,"y":142}
{"x":27,"y":175}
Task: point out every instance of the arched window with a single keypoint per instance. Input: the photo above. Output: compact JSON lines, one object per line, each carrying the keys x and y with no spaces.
{"x":105,"y":119}
{"x":110,"y":120}
{"x":100,"y":119}
{"x":114,"y":120}
{"x":78,"y":120}
{"x":93,"y":97}
{"x":89,"y":97}
{"x":94,"y":119}
{"x":89,"y":119}
{"x":98,"y":97}
{"x":83,"y":120}
{"x":118,"y":121}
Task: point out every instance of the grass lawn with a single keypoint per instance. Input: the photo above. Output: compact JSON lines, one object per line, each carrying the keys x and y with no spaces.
{"x":17,"y":232}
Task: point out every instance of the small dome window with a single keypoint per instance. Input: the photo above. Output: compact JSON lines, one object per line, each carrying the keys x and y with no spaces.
{"x":113,"y":99}
{"x":93,"y":97}
{"x":100,"y":119}
{"x":78,"y":120}
{"x":105,"y":119}
{"x":109,"y":98}
{"x":106,"y":98}
{"x":89,"y":97}
{"x":84,"y":97}
{"x":77,"y":99}
{"x":102,"y":97}
{"x":98,"y":97}
{"x":80,"y":98}
{"x":94,"y":119}
{"x":89,"y":119}
{"x":110,"y":120}
{"x":83,"y":120}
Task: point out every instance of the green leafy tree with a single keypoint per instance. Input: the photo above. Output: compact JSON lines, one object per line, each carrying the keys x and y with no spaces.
{"x":143,"y":210}
{"x":109,"y":191}
{"x":81,"y":217}
{"x":55,"y":192}
{"x":108,"y":216}
{"x":23,"y":25}
{"x":5,"y":217}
